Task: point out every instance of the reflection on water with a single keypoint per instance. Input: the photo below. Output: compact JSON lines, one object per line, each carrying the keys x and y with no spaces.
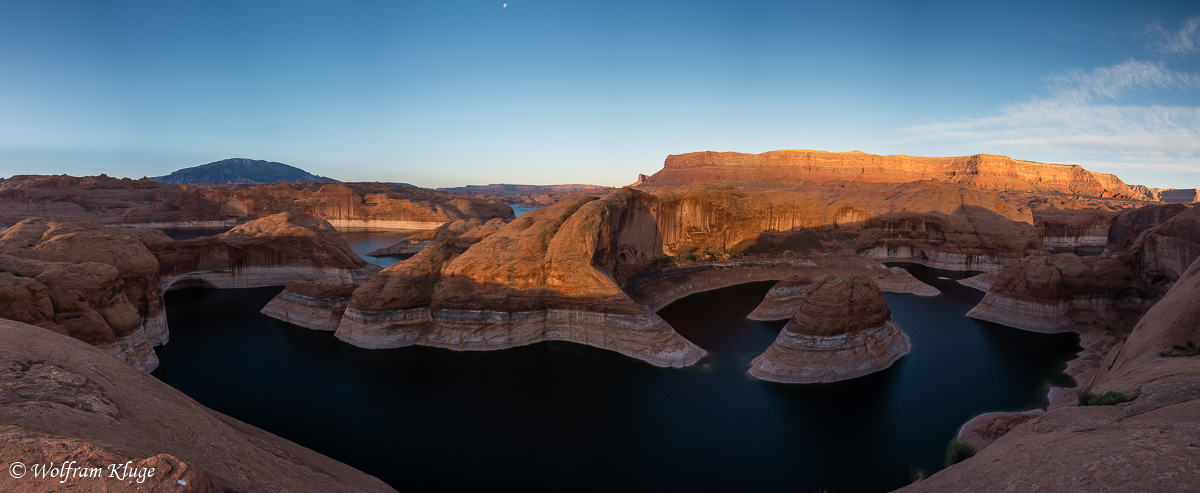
{"x":364,"y":241}
{"x":560,"y":415}
{"x":191,"y":233}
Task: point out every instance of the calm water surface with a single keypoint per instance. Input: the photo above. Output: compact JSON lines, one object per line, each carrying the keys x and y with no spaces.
{"x":362,"y":241}
{"x":565,"y":416}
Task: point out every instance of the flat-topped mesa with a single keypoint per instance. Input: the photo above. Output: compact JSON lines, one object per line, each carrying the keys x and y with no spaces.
{"x":841,"y":330}
{"x":794,"y":167}
{"x":1175,"y":195}
{"x":941,"y":225}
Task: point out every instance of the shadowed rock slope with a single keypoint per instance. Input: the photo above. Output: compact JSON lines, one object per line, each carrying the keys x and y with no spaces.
{"x":1147,"y":251}
{"x":62,"y":400}
{"x":1147,"y":444}
{"x":104,"y":285}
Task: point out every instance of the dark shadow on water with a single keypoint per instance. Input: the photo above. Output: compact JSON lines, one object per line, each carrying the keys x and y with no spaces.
{"x":566,"y":416}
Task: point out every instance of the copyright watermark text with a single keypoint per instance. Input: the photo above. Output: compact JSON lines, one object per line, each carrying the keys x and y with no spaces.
{"x":72,"y":470}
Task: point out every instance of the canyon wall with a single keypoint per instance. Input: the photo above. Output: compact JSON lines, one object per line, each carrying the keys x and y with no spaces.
{"x":1147,"y":250}
{"x":104,"y":285}
{"x":795,"y":167}
{"x":144,"y":202}
{"x":1145,"y":444}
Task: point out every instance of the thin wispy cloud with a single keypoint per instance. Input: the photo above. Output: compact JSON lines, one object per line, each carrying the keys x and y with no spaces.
{"x":1087,"y":117}
{"x":1184,"y":41}
{"x":1114,"y":81}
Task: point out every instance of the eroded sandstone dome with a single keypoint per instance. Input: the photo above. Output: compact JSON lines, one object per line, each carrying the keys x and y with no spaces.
{"x":842,"y":330}
{"x":840,"y":305}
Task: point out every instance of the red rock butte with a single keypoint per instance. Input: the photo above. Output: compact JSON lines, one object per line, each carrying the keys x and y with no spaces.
{"x":794,"y":167}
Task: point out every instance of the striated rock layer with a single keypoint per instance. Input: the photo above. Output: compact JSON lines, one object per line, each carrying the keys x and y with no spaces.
{"x":1062,"y":292}
{"x":145,"y":202}
{"x":841,"y":330}
{"x":1147,"y":444}
{"x":1147,"y":250}
{"x":786,"y":296}
{"x":104,"y":285}
{"x":315,"y":305}
{"x":62,"y":400}
{"x":794,"y":167}
{"x":548,"y":275}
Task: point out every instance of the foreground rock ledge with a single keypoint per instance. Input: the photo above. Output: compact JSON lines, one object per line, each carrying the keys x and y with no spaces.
{"x":62,"y":399}
{"x":842,"y":330}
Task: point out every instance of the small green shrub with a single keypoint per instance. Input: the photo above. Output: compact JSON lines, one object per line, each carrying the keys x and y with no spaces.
{"x":916,"y":474}
{"x":958,"y":451}
{"x":1110,"y":398}
{"x":1185,"y":351}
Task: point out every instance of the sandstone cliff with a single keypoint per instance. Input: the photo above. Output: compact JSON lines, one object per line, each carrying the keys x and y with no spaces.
{"x":94,"y":284}
{"x":1147,"y":249}
{"x":841,"y":330}
{"x":794,"y":167}
{"x":62,"y":400}
{"x":1052,"y":293}
{"x":548,"y":275}
{"x":594,"y":270}
{"x":1148,"y":444}
{"x":144,"y":202}
{"x":103,"y":285}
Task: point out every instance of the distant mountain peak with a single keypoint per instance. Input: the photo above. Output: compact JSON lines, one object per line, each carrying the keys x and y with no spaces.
{"x":240,"y":170}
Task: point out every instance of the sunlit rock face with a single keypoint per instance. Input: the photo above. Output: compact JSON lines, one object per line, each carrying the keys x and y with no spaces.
{"x":548,"y":275}
{"x":842,"y":330}
{"x":794,"y":167}
{"x":104,"y":285}
{"x":575,"y":271}
{"x":83,"y":280}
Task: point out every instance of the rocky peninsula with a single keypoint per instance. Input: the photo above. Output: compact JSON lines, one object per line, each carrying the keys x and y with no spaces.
{"x":104,"y":285}
{"x":841,"y":330}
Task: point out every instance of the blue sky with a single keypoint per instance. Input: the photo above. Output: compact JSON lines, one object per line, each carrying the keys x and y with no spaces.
{"x":446,"y":93}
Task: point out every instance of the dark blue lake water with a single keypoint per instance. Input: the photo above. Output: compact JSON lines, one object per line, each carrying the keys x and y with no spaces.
{"x":564,"y":416}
